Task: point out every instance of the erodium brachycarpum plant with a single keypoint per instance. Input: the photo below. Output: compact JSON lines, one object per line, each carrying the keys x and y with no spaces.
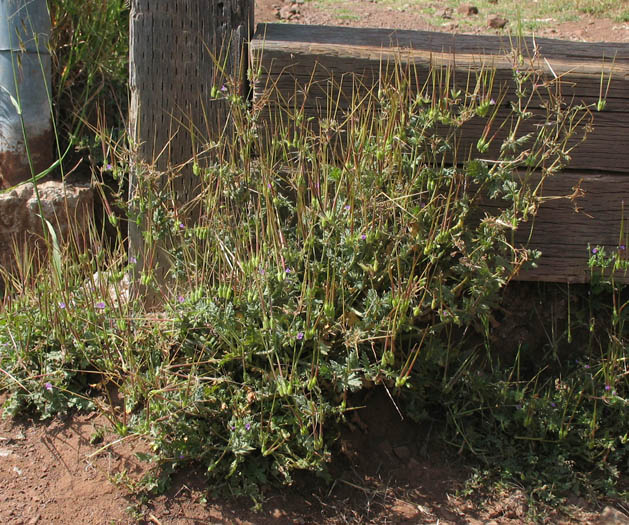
{"x":326,"y":257}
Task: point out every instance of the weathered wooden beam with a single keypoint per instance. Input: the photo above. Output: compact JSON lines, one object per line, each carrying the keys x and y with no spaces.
{"x":320,"y":68}
{"x":179,"y":51}
{"x":328,"y":63}
{"x":566,"y":229}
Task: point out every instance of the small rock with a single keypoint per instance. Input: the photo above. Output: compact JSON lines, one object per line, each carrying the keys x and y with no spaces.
{"x":405,"y":510}
{"x":467,"y":9}
{"x":445,"y":13}
{"x":402,"y":452}
{"x":17,"y":471}
{"x":285,"y":12}
{"x":612,"y":516}
{"x":34,"y":520}
{"x":496,"y":21}
{"x":4,"y":452}
{"x":517,"y":505}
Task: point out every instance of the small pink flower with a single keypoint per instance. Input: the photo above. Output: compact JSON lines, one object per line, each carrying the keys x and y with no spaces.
{"x":100,"y":305}
{"x":48,"y":386}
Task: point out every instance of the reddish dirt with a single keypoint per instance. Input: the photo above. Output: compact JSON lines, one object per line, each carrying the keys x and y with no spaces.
{"x":368,"y":13}
{"x":388,"y":473}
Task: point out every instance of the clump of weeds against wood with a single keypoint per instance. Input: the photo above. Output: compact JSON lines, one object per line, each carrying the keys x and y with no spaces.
{"x":321,"y":258}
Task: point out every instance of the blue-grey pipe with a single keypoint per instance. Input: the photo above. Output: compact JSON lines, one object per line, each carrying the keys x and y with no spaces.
{"x":24,"y":90}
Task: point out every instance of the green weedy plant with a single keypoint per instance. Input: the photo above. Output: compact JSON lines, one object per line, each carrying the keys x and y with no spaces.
{"x":326,"y":258}
{"x":62,"y":344}
{"x":89,"y":46}
{"x":563,"y":427}
{"x":319,"y":269}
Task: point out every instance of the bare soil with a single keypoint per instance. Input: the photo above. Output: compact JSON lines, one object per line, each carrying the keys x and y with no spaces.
{"x":369,"y":13}
{"x":389,"y":472}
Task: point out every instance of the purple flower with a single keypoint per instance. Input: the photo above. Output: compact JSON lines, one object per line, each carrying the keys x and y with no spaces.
{"x":586,"y":366}
{"x":594,"y":251}
{"x":288,"y":270}
{"x":300,"y":336}
{"x":181,"y":225}
{"x":109,"y":167}
{"x":132,"y":260}
{"x":492,"y":102}
{"x":100,"y":305}
{"x":363,"y":236}
{"x":607,"y":388}
{"x":232,"y":427}
{"x":223,"y":88}
{"x":181,"y":298}
{"x":48,"y":386}
{"x":247,"y":426}
{"x":347,"y":207}
{"x":552,"y":404}
{"x":181,"y":456}
{"x":62,"y":305}
{"x":622,"y":247}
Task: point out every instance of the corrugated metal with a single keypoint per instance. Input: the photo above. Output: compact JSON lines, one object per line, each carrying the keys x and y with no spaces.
{"x":24,"y":84}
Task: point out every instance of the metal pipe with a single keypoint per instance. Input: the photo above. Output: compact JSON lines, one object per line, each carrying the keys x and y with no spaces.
{"x":25,"y":122}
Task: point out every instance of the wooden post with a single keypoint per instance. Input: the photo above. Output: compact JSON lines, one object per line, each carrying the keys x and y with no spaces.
{"x":179,"y":51}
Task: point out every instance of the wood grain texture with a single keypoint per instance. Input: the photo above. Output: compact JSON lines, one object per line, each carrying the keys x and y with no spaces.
{"x":174,"y":48}
{"x":566,"y":230}
{"x":333,"y":61}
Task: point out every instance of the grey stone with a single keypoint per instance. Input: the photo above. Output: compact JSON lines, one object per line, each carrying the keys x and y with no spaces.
{"x":67,"y":207}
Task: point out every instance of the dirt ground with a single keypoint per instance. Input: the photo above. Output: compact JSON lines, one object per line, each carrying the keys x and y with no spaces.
{"x":54,"y":472}
{"x":370,"y":13}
